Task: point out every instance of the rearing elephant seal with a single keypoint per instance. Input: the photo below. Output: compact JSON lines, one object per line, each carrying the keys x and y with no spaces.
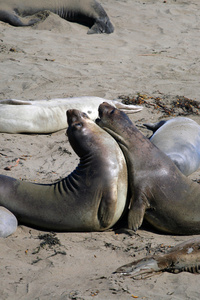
{"x":179,"y":138}
{"x":167,"y":199}
{"x":91,"y":198}
{"x":86,"y":12}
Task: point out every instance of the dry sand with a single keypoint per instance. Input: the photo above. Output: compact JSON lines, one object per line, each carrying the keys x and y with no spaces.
{"x":154,"y":50}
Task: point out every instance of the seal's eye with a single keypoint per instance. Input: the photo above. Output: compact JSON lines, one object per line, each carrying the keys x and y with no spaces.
{"x":112,"y":111}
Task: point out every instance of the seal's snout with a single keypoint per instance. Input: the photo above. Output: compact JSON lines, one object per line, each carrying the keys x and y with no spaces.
{"x":73,"y":115}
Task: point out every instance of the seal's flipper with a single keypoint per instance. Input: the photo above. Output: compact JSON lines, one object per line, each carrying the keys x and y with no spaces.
{"x":154,"y":126}
{"x":128,"y":109}
{"x":15,"y":102}
{"x":136,"y":212}
{"x":107,"y":209}
{"x":13,"y":19}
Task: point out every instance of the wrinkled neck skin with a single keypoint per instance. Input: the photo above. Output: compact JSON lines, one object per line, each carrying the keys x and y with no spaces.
{"x":82,"y":173}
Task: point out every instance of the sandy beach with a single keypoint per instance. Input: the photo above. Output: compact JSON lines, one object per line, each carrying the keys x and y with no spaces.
{"x":153,"y":52}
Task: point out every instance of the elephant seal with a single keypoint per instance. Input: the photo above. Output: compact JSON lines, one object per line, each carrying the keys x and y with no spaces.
{"x":92,"y":198}
{"x":86,"y":12}
{"x":47,"y":116}
{"x":179,"y":138}
{"x":161,"y":194}
{"x":183,"y":257}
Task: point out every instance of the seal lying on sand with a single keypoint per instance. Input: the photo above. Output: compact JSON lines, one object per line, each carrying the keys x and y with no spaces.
{"x":92,"y":198}
{"x":86,"y":12}
{"x":183,"y":257}
{"x":47,"y":116}
{"x":167,"y":199}
{"x":179,"y":138}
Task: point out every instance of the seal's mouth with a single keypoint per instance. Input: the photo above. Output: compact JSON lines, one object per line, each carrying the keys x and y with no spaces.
{"x":104,"y":110}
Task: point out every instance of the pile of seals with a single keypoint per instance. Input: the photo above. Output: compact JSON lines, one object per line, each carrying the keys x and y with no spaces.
{"x":114,"y":154}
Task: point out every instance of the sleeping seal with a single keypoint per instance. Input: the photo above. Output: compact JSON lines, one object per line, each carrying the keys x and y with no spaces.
{"x":92,"y":198}
{"x":161,"y":194}
{"x":183,"y":257}
{"x":86,"y":12}
{"x":47,"y":116}
{"x":179,"y":138}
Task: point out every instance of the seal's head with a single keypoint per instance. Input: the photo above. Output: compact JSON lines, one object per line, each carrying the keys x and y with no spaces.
{"x":101,"y":25}
{"x":82,"y":132}
{"x":114,"y":121}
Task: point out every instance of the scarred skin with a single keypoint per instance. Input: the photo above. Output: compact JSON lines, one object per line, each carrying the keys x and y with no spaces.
{"x":88,"y":12}
{"x":161,"y":194}
{"x":92,"y":198}
{"x":183,"y":257}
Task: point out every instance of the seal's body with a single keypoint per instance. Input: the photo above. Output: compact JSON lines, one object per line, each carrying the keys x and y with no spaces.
{"x":47,"y":116}
{"x":167,"y":199}
{"x":183,"y":257}
{"x":179,"y":138}
{"x":88,"y":12}
{"x":91,"y":198}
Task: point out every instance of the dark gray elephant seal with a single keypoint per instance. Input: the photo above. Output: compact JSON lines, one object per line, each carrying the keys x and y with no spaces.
{"x":92,"y":198}
{"x":86,"y":12}
{"x":183,"y":257}
{"x":161,"y":194}
{"x":179,"y":138}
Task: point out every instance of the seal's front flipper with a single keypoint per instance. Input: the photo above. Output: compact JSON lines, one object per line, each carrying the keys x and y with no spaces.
{"x":136,"y":212}
{"x":107,"y":209}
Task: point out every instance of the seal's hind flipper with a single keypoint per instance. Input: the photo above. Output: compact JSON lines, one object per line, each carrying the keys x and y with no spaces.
{"x":127,"y":108}
{"x":154,"y":126}
{"x":15,"y":102}
{"x":13,"y":19}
